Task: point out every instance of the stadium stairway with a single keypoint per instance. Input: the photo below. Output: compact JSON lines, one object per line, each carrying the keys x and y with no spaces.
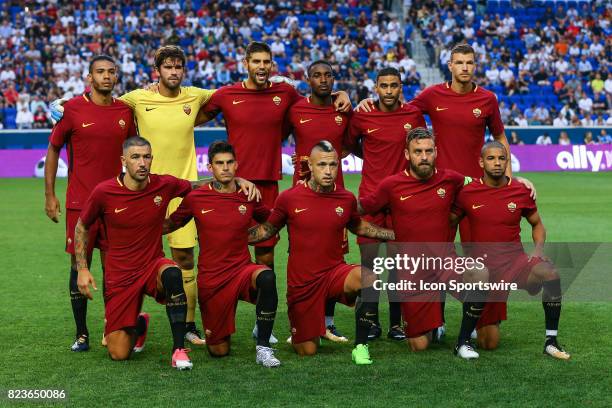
{"x":429,"y":75}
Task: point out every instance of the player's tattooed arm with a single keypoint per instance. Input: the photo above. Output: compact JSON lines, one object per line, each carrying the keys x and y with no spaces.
{"x":261,"y":232}
{"x":369,"y":230}
{"x":85,"y":278}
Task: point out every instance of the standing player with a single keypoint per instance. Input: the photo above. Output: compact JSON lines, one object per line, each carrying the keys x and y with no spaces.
{"x":167,"y":119}
{"x":132,"y":208}
{"x":312,"y":119}
{"x":316,"y":214}
{"x":93,"y":129}
{"x":495,"y":206}
{"x":382,"y":134}
{"x":226,"y":274}
{"x":420,"y":200}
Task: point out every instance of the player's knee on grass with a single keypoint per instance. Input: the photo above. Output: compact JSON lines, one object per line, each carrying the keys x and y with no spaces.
{"x":307,"y":348}
{"x":488,"y":337}
{"x":352,"y":282}
{"x":183,"y":257}
{"x":542,"y":272}
{"x":119,"y":344}
{"x":219,"y":350}
{"x":419,"y":343}
{"x":475,"y":275}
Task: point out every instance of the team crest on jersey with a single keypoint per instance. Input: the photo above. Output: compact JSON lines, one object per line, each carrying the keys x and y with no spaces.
{"x":122,"y":123}
{"x":477,"y":112}
{"x":407,"y":126}
{"x":511,"y":207}
{"x":339,"y":211}
{"x":157,"y":200}
{"x":338,"y":120}
{"x":187,"y":109}
{"x":441,"y":192}
{"x":242,"y":209}
{"x":277,"y":100}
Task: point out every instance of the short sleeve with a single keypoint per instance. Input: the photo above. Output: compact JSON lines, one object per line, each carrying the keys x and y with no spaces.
{"x":204,"y":95}
{"x":131,"y":98}
{"x":529,"y":206}
{"x":215,"y":102}
{"x":494,"y":121}
{"x":458,"y":207}
{"x":132,"y":131}
{"x":293,"y":94}
{"x":354,"y":217}
{"x":279,"y":214}
{"x":261,"y":212}
{"x":420,"y":102}
{"x":181,"y":187}
{"x":183,"y":213}
{"x":62,"y":130}
{"x":354,"y":132}
{"x":376,"y":201}
{"x":94,"y":207}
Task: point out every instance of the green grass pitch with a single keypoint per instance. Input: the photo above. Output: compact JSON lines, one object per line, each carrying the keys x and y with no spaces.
{"x":37,"y":330}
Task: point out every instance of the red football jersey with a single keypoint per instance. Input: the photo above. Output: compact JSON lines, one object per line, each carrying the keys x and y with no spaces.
{"x":459,"y":122}
{"x":313,"y":123}
{"x":420,"y":209}
{"x":255,"y":121}
{"x":316,"y":223}
{"x":93,"y":136}
{"x":223,"y":221}
{"x":384,"y":141}
{"x":133,"y":221}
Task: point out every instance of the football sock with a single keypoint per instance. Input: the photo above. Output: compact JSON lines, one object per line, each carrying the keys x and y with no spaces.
{"x":330,"y":311}
{"x":474,"y":303}
{"x":176,"y":304}
{"x":79,"y":304}
{"x":265,"y":308}
{"x":141,"y":325}
{"x":366,"y":315}
{"x":395,"y":314}
{"x":551,"y":300}
{"x":191,"y":291}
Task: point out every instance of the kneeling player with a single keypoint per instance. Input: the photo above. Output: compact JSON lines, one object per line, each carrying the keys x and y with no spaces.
{"x":132,"y":208}
{"x":226,"y":274}
{"x":494,"y":206}
{"x":316,"y":214}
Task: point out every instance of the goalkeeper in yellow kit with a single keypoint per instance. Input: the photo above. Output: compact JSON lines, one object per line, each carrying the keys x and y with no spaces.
{"x":167,"y":119}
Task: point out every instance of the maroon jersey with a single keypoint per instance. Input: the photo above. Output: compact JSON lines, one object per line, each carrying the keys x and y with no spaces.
{"x":420,"y":209}
{"x":133,"y":221}
{"x":255,"y":125}
{"x":223,"y":221}
{"x":495,"y":214}
{"x":384,"y":141}
{"x":316,"y":223}
{"x":459,"y":122}
{"x":93,"y":136}
{"x":311,"y":124}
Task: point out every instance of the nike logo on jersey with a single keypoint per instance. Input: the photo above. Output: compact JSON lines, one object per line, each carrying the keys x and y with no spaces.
{"x":173,"y":297}
{"x":474,"y":206}
{"x":150,"y":109}
{"x":207,"y":211}
{"x":373,"y":130}
{"x":118,"y":210}
{"x":302,"y":121}
{"x":299,"y":210}
{"x":87,"y":124}
{"x":438,"y":109}
{"x":234,"y":102}
{"x":402,"y":198}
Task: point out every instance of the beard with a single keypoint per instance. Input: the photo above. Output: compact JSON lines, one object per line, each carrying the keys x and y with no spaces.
{"x":423,"y":171}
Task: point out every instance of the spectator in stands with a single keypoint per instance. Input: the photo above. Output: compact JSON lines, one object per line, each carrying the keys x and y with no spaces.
{"x":515,"y":139}
{"x":541,"y":115}
{"x":585,"y":103}
{"x":587,"y":121}
{"x":521,"y":121}
{"x":24,"y":118}
{"x":604,"y":137}
{"x":564,"y":139}
{"x":600,"y":102}
{"x":413,"y":77}
{"x":492,"y":74}
{"x":560,"y":121}
{"x":530,"y":113}
{"x":584,"y":66}
{"x":597,"y":84}
{"x":41,"y":120}
{"x":588,"y":138}
{"x":544,"y":139}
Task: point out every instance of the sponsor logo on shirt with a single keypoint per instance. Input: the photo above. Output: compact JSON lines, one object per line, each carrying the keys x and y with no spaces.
{"x":338,"y":120}
{"x":157,"y":200}
{"x":187,"y":109}
{"x":87,"y":124}
{"x":339,"y":211}
{"x":122,"y":123}
{"x":441,"y":192}
{"x":150,"y":109}
{"x":402,"y":198}
{"x":235,"y":102}
{"x":242,"y":209}
{"x":207,"y":211}
{"x":372,"y":130}
{"x":277,"y":100}
{"x":438,"y":109}
{"x":511,"y":207}
{"x":299,"y":210}
{"x":118,"y":210}
{"x":302,"y":121}
{"x":474,"y":206}
{"x":477,"y":112}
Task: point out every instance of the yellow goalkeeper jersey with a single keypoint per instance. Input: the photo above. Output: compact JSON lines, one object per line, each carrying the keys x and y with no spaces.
{"x":168,"y":124}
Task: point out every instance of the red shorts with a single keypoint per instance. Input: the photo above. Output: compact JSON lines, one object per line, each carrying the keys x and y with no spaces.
{"x":422,"y":317}
{"x":518,"y":272}
{"x":122,"y":304}
{"x":306,"y":305}
{"x":269,"y":192}
{"x":97,"y":233}
{"x":218,"y":304}
{"x":382,"y":220}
